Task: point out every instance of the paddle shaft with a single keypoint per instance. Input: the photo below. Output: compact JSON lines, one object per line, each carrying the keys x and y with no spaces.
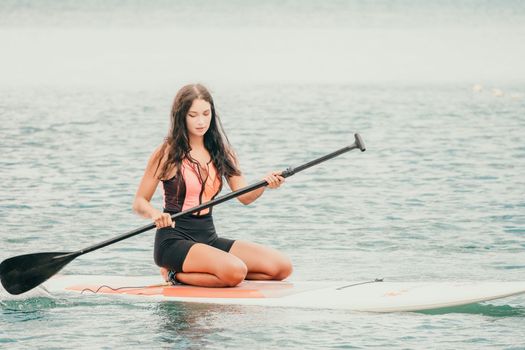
{"x":21,"y":273}
{"x":286,"y":173}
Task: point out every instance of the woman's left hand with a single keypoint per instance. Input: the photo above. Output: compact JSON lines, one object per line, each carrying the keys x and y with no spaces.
{"x":274,"y":179}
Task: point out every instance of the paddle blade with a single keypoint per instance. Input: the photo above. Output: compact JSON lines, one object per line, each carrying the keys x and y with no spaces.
{"x":24,"y":272}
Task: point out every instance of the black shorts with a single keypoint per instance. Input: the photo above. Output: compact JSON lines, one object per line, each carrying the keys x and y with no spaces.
{"x":173,"y":244}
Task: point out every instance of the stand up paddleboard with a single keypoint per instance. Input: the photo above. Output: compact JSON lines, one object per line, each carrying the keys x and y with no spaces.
{"x":369,"y":296}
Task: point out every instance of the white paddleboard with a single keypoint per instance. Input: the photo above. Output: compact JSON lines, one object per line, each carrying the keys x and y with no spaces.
{"x":369,"y":296}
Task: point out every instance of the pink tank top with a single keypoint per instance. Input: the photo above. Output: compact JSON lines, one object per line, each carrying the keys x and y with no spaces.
{"x":192,"y":186}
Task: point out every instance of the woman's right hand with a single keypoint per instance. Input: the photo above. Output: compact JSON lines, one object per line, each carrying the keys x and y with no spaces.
{"x":162,"y":219}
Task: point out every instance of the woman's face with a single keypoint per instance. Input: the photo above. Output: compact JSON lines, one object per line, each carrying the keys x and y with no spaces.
{"x":198,"y":118}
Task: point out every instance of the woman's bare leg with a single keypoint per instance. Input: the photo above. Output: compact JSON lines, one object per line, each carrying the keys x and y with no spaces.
{"x":263,"y":263}
{"x":210,"y":267}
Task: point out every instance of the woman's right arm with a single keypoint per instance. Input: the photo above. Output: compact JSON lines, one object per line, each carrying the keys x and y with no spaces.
{"x":146,"y":190}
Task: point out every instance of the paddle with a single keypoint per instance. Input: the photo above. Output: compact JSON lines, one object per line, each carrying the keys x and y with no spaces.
{"x":24,"y":272}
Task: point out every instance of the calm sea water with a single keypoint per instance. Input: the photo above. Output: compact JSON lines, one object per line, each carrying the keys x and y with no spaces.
{"x":438,"y":195}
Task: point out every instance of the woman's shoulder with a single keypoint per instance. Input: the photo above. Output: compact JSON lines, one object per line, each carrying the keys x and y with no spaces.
{"x":159,"y":157}
{"x":159,"y":153}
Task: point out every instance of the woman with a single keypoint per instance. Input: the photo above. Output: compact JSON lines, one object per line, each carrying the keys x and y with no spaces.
{"x":191,"y":164}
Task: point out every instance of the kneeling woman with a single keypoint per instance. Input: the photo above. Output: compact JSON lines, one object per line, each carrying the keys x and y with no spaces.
{"x":191,"y":164}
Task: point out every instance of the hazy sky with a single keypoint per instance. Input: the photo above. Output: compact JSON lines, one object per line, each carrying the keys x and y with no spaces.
{"x":154,"y":43}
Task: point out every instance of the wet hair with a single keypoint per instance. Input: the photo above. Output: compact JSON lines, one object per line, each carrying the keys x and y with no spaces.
{"x":215,"y":139}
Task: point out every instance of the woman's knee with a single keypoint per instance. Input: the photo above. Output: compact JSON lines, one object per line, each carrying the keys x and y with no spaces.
{"x":233,"y":272}
{"x":283,"y":268}
{"x":279,"y":269}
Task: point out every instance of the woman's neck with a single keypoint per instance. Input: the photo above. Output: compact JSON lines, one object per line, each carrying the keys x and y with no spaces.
{"x":196,"y":142}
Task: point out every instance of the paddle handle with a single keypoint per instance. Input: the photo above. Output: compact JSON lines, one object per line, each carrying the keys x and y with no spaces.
{"x":286,"y":173}
{"x":357,"y":144}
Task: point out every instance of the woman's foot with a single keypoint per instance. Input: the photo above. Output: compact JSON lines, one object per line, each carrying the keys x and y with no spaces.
{"x":164,"y":273}
{"x":169,"y":276}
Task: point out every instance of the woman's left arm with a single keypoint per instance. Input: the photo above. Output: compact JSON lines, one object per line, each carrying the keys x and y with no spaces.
{"x":274,"y":179}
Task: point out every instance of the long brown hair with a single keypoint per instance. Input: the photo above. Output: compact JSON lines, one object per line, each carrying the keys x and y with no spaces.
{"x":215,"y":139}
